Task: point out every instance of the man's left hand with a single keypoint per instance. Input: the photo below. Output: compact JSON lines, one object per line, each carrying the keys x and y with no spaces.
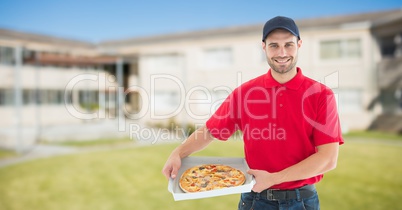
{"x":263,"y":179}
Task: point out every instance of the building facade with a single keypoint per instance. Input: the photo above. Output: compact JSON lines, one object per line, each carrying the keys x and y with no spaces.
{"x":356,"y":55}
{"x":185,"y":76}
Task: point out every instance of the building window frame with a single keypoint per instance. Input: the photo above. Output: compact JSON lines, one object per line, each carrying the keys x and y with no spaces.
{"x":218,"y":58}
{"x":348,"y":48}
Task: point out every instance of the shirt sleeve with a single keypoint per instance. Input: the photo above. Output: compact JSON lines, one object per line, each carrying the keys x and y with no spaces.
{"x":223,"y":123}
{"x":327,"y":128}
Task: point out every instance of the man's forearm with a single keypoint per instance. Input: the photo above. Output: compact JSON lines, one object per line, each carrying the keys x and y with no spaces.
{"x":324,"y":160}
{"x":198,"y":140}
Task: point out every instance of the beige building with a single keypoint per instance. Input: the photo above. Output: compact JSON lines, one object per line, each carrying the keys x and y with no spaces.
{"x":41,"y":69}
{"x":184,"y":76}
{"x":356,"y":55}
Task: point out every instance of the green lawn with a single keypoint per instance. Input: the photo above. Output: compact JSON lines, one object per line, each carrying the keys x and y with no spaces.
{"x":368,"y":176}
{"x":94,"y":143}
{"x":376,"y":135}
{"x":7,"y":154}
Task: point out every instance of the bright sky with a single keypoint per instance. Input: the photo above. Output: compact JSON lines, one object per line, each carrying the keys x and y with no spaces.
{"x":99,"y":20}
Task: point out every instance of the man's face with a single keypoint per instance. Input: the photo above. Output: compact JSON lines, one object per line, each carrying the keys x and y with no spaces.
{"x":281,"y":48}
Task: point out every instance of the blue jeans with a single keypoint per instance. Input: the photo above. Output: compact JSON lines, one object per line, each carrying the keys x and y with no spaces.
{"x":253,"y":201}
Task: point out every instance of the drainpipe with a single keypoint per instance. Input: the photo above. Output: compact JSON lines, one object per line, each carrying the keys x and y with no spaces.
{"x":120,"y":95}
{"x":18,"y":99}
{"x":37,"y":100}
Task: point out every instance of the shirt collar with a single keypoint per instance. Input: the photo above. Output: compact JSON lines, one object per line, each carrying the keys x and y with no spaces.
{"x":293,"y":84}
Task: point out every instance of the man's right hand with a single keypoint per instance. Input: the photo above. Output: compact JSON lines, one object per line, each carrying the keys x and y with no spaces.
{"x":172,"y":166}
{"x":197,"y":141}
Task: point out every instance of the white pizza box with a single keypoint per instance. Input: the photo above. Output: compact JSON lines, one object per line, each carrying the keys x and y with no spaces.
{"x":238,"y":163}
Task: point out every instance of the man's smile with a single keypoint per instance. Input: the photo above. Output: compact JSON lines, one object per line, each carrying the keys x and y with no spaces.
{"x":282,"y":61}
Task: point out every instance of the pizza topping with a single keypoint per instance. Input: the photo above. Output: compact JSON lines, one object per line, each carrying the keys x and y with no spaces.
{"x":209,"y":177}
{"x":205,"y":184}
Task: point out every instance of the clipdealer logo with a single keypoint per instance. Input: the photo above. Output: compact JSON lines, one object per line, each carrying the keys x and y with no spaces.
{"x":331,"y":116}
{"x":147,"y":98}
{"x":186,"y":99}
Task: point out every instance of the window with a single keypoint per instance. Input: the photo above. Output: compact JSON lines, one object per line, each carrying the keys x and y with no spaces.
{"x":340,"y":49}
{"x":216,"y":99}
{"x":166,"y":102}
{"x":42,"y":97}
{"x":6,"y":97}
{"x":54,"y":97}
{"x":163,"y":63}
{"x":218,"y":58}
{"x":7,"y":55}
{"x":86,"y":97}
{"x":28,"y":96}
{"x":349,"y":101}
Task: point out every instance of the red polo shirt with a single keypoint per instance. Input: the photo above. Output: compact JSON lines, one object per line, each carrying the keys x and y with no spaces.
{"x":282,"y":124}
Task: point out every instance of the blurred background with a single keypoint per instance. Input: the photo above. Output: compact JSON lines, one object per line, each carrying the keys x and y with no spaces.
{"x":100,"y":82}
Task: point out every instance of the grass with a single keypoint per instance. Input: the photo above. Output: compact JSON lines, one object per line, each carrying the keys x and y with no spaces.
{"x":368,"y":176}
{"x":120,"y":179}
{"x":7,"y":154}
{"x":373,"y":135}
{"x":93,"y":143}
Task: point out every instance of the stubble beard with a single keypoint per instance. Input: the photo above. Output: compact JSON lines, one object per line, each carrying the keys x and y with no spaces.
{"x":282,"y":69}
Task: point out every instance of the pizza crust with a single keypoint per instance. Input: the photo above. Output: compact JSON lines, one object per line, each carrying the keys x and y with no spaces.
{"x":210,"y":177}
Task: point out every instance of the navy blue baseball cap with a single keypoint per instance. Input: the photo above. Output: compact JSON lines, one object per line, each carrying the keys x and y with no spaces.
{"x":280,"y":22}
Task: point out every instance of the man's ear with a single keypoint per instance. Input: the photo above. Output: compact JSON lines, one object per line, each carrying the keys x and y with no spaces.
{"x":299,"y":43}
{"x":263,"y":46}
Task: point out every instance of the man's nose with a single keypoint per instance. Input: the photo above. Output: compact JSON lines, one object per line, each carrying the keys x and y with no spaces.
{"x":282,"y":52}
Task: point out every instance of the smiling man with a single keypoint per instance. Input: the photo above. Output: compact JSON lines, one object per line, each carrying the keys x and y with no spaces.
{"x":290,"y":127}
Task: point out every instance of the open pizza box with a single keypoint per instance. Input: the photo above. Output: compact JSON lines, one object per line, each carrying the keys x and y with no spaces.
{"x":239,"y":163}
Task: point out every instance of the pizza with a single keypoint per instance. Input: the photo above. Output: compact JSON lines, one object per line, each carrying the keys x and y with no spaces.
{"x":210,"y":177}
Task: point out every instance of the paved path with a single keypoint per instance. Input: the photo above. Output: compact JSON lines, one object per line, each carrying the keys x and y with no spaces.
{"x":45,"y":151}
{"x":30,"y":135}
{"x":38,"y":151}
{"x":91,"y":131}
